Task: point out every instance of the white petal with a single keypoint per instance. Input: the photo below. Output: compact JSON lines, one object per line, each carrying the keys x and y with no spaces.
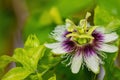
{"x":92,"y":62}
{"x":110,"y":37}
{"x":58,"y":33}
{"x":108,"y":48}
{"x":52,"y":45}
{"x":76,"y":63}
{"x":100,"y":29}
{"x":59,"y":50}
{"x":56,"y":48}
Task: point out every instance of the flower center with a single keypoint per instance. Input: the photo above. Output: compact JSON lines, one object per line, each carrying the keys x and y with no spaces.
{"x":80,"y":38}
{"x":81,"y":34}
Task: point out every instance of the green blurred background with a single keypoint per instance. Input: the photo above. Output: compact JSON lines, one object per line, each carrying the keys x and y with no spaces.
{"x":19,"y":18}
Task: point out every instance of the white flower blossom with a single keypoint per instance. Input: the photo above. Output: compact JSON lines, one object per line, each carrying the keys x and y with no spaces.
{"x":83,"y":43}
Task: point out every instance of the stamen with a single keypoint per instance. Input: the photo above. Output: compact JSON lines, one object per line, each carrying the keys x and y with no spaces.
{"x":87,"y":15}
{"x":71,"y":27}
{"x":91,"y":30}
{"x":80,"y":30}
{"x":83,"y":22}
{"x":80,"y":36}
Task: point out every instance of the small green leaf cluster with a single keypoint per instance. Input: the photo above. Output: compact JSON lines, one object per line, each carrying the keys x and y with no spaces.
{"x":26,"y":60}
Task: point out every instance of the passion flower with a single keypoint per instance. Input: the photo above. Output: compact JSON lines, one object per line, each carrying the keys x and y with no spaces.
{"x":83,"y":42}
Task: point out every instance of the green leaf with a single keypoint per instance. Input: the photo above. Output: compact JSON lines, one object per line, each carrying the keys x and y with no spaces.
{"x":53,"y":77}
{"x":109,"y":66}
{"x":34,"y":76}
{"x":32,"y":41}
{"x":35,"y":50}
{"x":4,"y":60}
{"x":21,"y":57}
{"x":17,"y":73}
{"x":113,"y":9}
{"x":116,"y":72}
{"x":31,"y":54}
{"x":28,"y":57}
{"x":38,"y":54}
{"x":48,"y":60}
{"x":104,"y":18}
